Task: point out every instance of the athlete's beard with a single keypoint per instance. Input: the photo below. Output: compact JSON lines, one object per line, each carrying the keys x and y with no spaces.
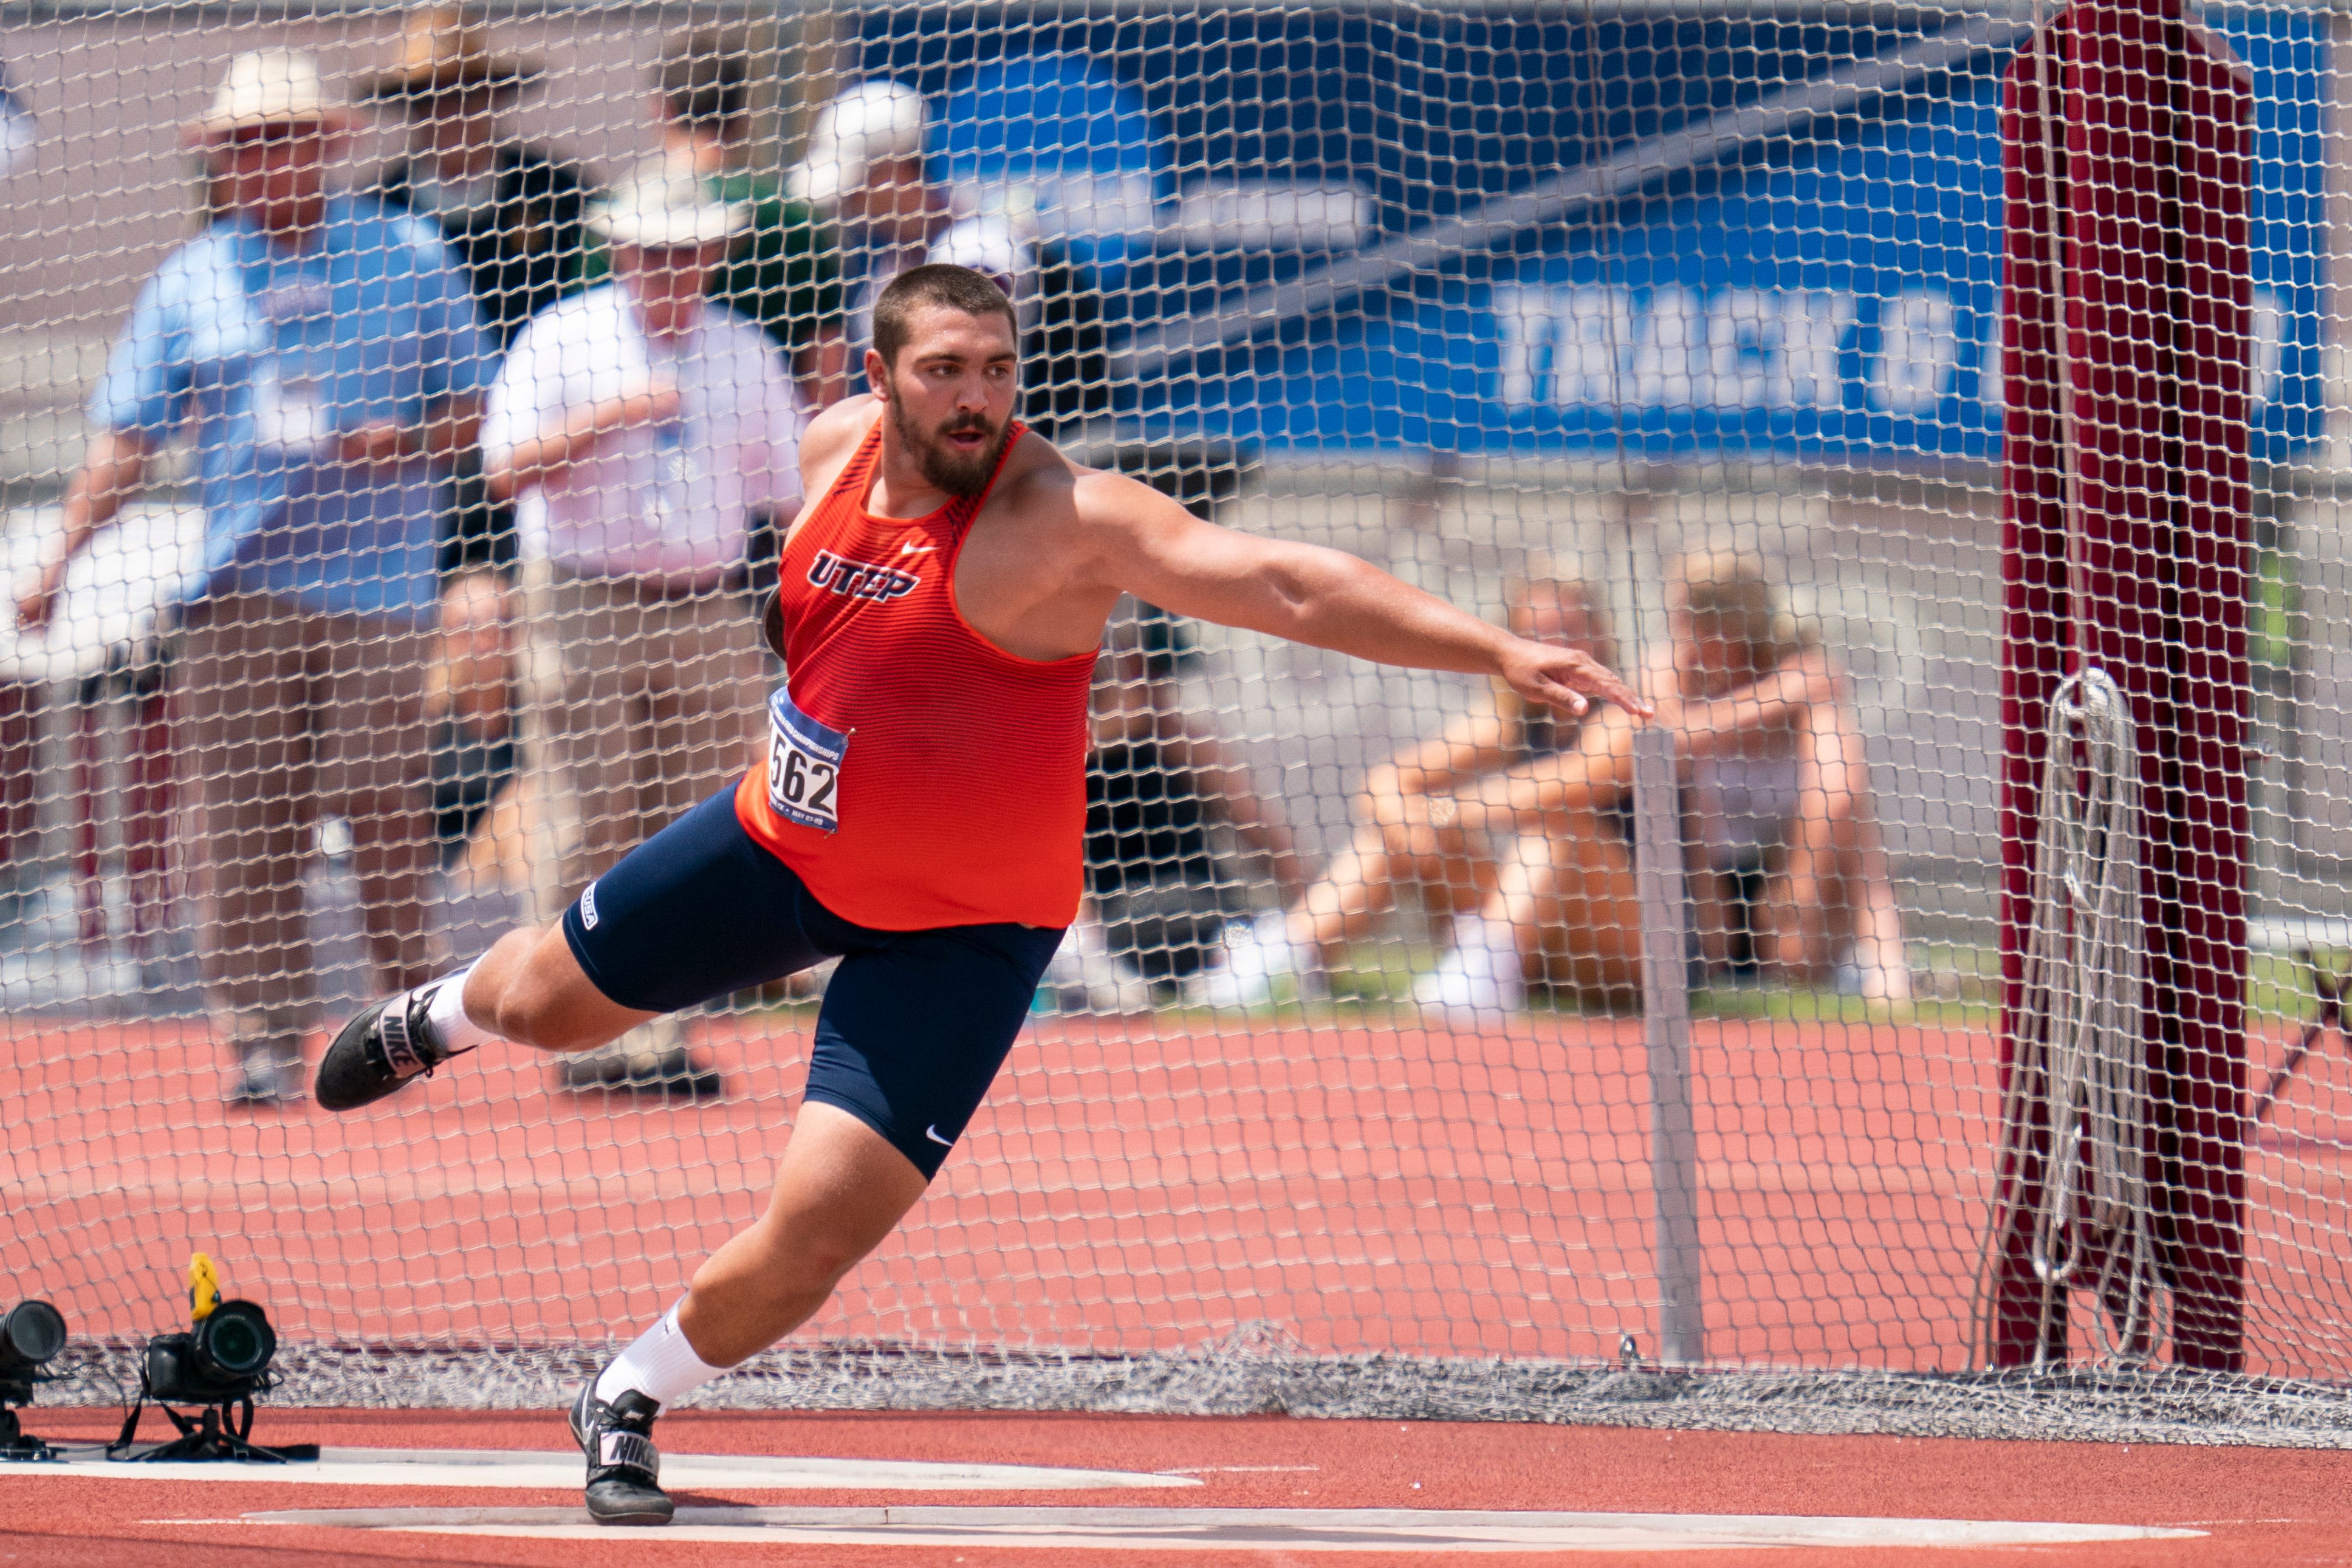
{"x":947,"y":466}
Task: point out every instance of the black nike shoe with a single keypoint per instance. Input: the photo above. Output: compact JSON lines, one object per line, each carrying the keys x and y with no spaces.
{"x":624,"y":1466}
{"x":389,"y":1043}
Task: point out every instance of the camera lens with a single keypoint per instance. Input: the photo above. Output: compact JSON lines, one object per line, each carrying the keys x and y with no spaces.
{"x":30,"y":1334}
{"x":236,"y":1339}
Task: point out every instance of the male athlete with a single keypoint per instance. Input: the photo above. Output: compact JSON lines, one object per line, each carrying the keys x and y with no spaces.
{"x":918,"y":814}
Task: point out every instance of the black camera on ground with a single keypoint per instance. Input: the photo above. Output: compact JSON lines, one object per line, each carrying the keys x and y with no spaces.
{"x":224,"y":1358}
{"x":31,"y":1334}
{"x":220,"y":1363}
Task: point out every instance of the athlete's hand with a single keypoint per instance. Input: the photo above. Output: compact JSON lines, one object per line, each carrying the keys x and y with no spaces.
{"x":1568,"y":680}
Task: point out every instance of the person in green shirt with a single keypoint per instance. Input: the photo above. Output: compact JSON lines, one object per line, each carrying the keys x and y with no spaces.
{"x":786,"y":274}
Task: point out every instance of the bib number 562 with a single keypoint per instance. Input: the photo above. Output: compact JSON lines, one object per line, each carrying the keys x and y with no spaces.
{"x":803,"y":767}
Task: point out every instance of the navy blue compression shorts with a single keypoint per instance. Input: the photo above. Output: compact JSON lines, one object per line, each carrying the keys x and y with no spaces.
{"x":915,"y":1023}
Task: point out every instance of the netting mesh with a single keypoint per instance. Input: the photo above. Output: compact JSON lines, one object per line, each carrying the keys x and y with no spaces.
{"x":1676,"y":332}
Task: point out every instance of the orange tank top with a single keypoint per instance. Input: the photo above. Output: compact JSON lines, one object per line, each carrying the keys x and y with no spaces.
{"x":917,"y":775}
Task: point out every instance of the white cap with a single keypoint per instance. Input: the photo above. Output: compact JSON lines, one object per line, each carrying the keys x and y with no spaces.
{"x":268,"y":86}
{"x":871,"y":121}
{"x":664,"y":213}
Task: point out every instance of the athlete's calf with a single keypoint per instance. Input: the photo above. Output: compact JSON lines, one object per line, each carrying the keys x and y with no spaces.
{"x":529,"y":988}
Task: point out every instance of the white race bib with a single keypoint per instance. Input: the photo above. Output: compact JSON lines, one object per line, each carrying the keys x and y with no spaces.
{"x":804,"y":766}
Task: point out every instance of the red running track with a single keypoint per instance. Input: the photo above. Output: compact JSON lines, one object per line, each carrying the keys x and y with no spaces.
{"x":1142,"y":1184}
{"x":2266,"y":1508}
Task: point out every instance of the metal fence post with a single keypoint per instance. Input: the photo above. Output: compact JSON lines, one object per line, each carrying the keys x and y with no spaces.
{"x":1665,"y":1011}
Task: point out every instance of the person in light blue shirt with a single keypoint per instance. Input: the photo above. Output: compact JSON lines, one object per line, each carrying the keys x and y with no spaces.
{"x":275,"y":360}
{"x":321,"y":355}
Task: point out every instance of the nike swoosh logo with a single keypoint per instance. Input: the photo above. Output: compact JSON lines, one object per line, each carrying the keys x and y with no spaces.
{"x":933,"y":1134}
{"x":912,"y":548}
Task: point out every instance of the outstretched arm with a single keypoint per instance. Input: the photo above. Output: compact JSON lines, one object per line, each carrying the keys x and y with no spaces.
{"x":1152,"y":547}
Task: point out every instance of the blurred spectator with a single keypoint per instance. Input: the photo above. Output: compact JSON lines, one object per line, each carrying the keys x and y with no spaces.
{"x":865,"y":168}
{"x":865,"y":165}
{"x":511,"y":212}
{"x":647,"y":433}
{"x":1159,"y":787}
{"x":1791,"y":876}
{"x":1787,"y":873}
{"x":1440,"y":818}
{"x":471,"y":701}
{"x":784,"y":273}
{"x":325,"y":356}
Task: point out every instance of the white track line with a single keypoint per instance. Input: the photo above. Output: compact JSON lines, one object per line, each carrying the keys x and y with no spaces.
{"x":689,"y":1472}
{"x":1386,"y":1530}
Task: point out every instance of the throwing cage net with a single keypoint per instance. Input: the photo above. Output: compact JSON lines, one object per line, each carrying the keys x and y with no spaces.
{"x":1928,"y":1027}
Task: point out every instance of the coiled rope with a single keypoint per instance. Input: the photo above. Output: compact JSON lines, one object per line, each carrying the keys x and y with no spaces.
{"x":2078,"y":1049}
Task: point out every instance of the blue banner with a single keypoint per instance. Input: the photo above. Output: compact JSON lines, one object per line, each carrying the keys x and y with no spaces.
{"x":1844,"y":296}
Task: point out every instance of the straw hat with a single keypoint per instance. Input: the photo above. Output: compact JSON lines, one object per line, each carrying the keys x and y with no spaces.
{"x":268,"y":86}
{"x":871,"y":121}
{"x":666,"y":214}
{"x":446,"y":49}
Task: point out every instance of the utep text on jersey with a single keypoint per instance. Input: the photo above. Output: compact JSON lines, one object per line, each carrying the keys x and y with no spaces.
{"x":860,"y":579}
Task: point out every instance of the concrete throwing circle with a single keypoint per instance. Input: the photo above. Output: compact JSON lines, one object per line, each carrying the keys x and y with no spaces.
{"x":505,"y":1467}
{"x":1232,"y":1529}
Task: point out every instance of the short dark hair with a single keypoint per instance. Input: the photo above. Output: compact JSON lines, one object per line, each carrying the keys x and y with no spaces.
{"x":705,"y":76}
{"x":936,"y":283}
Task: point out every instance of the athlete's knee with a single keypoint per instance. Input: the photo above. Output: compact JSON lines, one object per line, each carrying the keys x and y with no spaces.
{"x":805,"y":1274}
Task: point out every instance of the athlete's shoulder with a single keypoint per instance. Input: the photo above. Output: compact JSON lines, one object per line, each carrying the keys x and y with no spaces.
{"x":1106,"y":499}
{"x":1038,"y":475}
{"x":832,"y":436}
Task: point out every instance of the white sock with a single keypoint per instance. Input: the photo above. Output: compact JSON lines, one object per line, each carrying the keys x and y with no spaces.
{"x":661,"y":1365}
{"x":447,"y":1012}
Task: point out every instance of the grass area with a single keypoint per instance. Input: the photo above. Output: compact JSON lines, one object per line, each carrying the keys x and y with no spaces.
{"x":1959,"y":987}
{"x":2281,"y":987}
{"x":1801,"y":1005}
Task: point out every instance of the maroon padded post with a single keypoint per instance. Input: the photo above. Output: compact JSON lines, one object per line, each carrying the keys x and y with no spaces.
{"x":2127,"y":206}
